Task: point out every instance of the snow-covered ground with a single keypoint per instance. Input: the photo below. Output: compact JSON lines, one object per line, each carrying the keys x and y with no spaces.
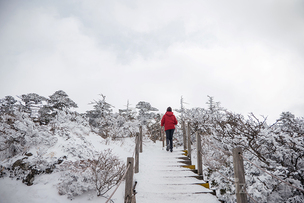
{"x":44,"y":188}
{"x":160,"y":179}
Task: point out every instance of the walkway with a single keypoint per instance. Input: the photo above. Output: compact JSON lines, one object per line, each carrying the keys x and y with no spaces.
{"x":162,"y":179}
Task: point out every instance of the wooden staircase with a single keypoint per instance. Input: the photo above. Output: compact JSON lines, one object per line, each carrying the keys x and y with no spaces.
{"x":169,"y":177}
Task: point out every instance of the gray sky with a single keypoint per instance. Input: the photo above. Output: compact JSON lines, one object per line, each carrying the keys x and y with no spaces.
{"x":248,"y":55}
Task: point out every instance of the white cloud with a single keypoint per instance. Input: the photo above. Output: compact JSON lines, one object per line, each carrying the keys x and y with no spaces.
{"x":246,"y":54}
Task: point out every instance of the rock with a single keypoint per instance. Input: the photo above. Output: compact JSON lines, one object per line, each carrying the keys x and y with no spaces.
{"x":60,"y":160}
{"x":2,"y":171}
{"x":28,"y":154}
{"x":48,"y":170}
{"x":29,"y":179}
{"x":21,"y":164}
{"x":13,"y":150}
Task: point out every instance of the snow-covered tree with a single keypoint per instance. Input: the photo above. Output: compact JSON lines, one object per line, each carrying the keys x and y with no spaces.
{"x":128,"y":121}
{"x":277,"y":149}
{"x":145,"y":113}
{"x":129,"y":113}
{"x":100,"y":117}
{"x":153,"y":128}
{"x":32,"y":97}
{"x":32,"y":103}
{"x":147,"y":118}
{"x":7,"y":105}
{"x":60,"y":100}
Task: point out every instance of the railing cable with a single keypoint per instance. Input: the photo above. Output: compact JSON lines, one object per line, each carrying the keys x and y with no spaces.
{"x":118,"y":183}
{"x":227,"y":153}
{"x":250,"y":196}
{"x":136,"y":140}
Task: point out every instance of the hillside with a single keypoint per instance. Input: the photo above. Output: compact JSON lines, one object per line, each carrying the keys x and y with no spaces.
{"x":50,"y":152}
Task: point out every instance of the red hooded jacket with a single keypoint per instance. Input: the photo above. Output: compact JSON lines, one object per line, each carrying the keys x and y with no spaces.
{"x":169,"y":120}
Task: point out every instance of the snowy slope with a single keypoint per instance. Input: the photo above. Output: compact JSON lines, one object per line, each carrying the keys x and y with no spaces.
{"x":44,"y":188}
{"x":161,"y":179}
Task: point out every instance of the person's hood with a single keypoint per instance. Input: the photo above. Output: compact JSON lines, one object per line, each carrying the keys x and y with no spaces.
{"x":169,"y":113}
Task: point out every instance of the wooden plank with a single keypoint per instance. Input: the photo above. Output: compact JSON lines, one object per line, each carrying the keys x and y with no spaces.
{"x":137,"y":153}
{"x":129,"y":180}
{"x":184,"y":135}
{"x":189,"y":142}
{"x":239,"y":175}
{"x":140,"y":139}
{"x":199,"y":155}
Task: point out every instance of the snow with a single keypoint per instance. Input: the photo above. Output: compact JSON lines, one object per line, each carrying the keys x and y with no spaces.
{"x":64,"y":143}
{"x":160,"y":179}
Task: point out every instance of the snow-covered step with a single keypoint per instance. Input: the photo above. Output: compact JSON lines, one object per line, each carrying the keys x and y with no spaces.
{"x":150,"y":197}
{"x":162,"y":178}
{"x":174,"y":188}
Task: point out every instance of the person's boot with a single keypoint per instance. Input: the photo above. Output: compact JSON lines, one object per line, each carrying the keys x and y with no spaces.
{"x":171,"y":150}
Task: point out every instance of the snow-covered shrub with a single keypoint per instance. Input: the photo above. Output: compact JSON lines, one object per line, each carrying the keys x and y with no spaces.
{"x":19,"y":133}
{"x":25,"y":145}
{"x":99,"y":174}
{"x":75,"y":180}
{"x":131,"y":124}
{"x":153,"y":128}
{"x":27,"y":168}
{"x":131,"y":127}
{"x":107,"y":171}
{"x":278,"y":149}
{"x":108,"y":124}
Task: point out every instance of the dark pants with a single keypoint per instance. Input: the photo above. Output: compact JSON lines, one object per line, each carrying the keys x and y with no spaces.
{"x":169,"y":136}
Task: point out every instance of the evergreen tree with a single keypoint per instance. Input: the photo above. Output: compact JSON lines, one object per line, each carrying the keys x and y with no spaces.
{"x":60,"y":100}
{"x":32,"y":103}
{"x":129,"y":113}
{"x":7,"y":105}
{"x":145,"y":114}
{"x":100,"y":117}
{"x":32,"y":98}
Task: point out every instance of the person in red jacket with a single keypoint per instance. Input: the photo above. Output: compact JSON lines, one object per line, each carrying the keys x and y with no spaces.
{"x":169,"y":121}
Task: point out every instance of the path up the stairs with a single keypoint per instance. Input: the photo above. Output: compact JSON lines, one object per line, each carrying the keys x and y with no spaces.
{"x":162,"y":179}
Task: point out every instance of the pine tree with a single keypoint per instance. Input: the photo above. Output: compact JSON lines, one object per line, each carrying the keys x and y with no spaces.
{"x":60,"y":100}
{"x":7,"y":105}
{"x":100,"y":117}
{"x":145,"y":113}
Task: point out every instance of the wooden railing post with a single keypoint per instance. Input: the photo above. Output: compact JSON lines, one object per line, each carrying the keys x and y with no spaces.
{"x":129,"y":180}
{"x":140,"y":139}
{"x":199,"y":155}
{"x":184,"y":135}
{"x":137,"y":153}
{"x":162,"y":136}
{"x":189,"y":142}
{"x":239,"y":175}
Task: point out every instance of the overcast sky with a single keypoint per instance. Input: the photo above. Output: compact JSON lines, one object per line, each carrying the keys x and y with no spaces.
{"x":248,"y":55}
